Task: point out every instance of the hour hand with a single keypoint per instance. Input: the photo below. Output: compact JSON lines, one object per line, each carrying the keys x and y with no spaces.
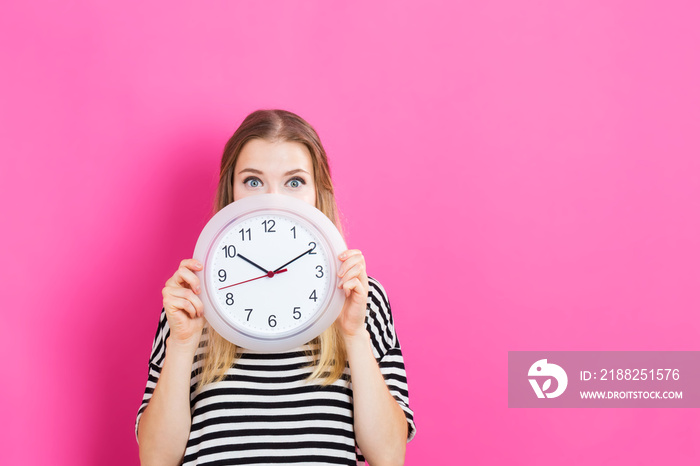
{"x":252,"y":263}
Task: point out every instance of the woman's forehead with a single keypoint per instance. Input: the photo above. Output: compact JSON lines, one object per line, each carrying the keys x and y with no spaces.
{"x":280,"y":157}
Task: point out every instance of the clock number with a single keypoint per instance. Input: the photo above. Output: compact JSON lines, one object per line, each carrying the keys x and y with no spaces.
{"x":229,"y":251}
{"x":229,"y":298}
{"x":320,"y":271}
{"x":294,"y":230}
{"x":271,"y":228}
{"x":243,"y":232}
{"x":249,"y":311}
{"x":312,"y":247}
{"x":297,"y":314}
{"x":222,"y":275}
{"x":271,"y":321}
{"x":313,"y":296}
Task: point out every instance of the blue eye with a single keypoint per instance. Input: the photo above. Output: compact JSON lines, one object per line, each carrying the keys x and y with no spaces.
{"x":296,"y":182}
{"x":252,"y":182}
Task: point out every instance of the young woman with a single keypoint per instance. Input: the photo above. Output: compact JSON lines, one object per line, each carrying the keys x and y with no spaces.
{"x":338,"y":399}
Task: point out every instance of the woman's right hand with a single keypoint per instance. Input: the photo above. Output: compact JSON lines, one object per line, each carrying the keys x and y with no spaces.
{"x":183,"y":307}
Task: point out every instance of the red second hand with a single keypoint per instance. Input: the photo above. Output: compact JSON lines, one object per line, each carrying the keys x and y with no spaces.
{"x":268,"y":274}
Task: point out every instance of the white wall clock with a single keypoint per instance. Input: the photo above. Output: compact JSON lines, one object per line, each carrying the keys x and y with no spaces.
{"x":269,"y":281}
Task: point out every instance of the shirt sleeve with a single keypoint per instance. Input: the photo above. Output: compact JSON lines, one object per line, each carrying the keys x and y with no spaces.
{"x":386,"y":348}
{"x":155,"y":364}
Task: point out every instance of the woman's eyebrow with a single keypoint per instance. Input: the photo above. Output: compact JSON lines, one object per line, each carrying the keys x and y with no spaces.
{"x":259,"y":172}
{"x":297,"y":170}
{"x":251,"y":170}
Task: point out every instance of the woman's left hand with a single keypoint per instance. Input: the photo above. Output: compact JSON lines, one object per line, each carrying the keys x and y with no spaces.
{"x":380,"y":424}
{"x":353,"y":280}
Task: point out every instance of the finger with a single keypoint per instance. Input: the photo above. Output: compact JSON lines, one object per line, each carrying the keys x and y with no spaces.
{"x":174,"y":304}
{"x":192,"y":264}
{"x":187,"y":277}
{"x":186,"y":294}
{"x":186,"y":266}
{"x":357,"y":271}
{"x":350,"y":252}
{"x":353,"y":285}
{"x":350,"y":262}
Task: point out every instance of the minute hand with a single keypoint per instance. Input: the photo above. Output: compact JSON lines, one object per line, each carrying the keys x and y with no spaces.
{"x":297,"y":257}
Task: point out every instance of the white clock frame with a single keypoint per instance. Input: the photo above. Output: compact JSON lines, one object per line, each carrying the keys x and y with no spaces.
{"x":329,"y":239}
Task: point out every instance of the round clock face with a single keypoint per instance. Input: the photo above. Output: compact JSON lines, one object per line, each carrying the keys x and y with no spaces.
{"x":270,"y":272}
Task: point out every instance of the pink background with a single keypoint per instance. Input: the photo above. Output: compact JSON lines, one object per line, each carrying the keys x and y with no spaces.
{"x":520,"y":176}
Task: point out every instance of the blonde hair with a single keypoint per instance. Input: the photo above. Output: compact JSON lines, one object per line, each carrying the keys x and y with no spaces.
{"x":327,"y":351}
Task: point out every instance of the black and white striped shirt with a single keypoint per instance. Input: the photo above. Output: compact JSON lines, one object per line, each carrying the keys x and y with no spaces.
{"x":264,"y":411}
